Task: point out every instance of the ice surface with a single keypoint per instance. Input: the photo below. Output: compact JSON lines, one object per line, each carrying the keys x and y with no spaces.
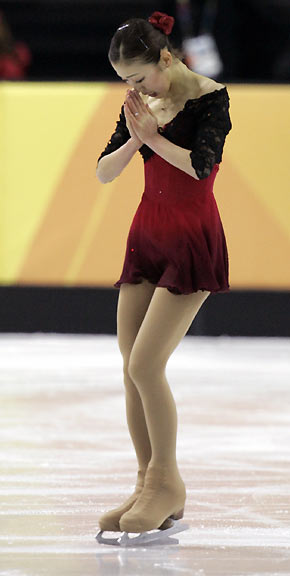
{"x":66,"y":456}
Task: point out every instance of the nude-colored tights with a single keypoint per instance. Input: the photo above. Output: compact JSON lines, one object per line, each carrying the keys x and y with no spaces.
{"x":151,"y":323}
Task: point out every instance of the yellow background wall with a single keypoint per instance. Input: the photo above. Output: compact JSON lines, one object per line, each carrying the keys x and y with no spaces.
{"x":61,"y":226}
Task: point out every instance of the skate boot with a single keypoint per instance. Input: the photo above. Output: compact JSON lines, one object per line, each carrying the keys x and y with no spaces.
{"x":162,"y":498}
{"x":110,"y":520}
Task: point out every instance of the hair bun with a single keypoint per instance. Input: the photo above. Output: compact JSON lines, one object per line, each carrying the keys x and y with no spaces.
{"x":162,"y":21}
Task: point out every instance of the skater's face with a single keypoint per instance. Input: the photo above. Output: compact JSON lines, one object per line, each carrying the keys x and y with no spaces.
{"x":151,"y":79}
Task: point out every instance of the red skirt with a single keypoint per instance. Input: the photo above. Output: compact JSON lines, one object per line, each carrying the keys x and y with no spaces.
{"x":176,"y":239}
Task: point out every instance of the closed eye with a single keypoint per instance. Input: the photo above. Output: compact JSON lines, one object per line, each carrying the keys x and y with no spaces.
{"x":137,"y":82}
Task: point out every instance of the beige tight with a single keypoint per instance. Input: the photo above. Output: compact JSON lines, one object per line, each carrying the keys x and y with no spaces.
{"x":151,"y":322}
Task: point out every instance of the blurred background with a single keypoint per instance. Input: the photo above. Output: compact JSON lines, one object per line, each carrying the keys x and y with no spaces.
{"x":69,"y":39}
{"x":63,"y":233}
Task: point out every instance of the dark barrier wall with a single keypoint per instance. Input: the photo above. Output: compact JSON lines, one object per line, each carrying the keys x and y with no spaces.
{"x":93,"y":311}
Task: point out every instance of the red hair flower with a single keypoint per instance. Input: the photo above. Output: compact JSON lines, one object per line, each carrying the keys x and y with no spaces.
{"x":162,"y":21}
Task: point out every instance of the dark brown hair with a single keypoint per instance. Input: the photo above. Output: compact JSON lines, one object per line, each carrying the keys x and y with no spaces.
{"x":138,"y":39}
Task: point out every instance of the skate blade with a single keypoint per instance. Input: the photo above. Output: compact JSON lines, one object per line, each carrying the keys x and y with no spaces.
{"x":145,"y":538}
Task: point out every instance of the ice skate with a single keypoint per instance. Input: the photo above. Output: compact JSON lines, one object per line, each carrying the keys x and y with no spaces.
{"x":110,"y":520}
{"x":163,"y":497}
{"x":158,"y":537}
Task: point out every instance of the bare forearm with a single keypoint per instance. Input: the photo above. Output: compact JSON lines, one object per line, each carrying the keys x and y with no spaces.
{"x":111,"y":165}
{"x":175,"y":155}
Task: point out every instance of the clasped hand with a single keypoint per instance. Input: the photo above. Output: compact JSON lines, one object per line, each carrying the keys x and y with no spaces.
{"x":140,"y":120}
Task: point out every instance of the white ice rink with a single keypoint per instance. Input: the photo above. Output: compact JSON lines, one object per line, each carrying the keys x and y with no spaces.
{"x":66,"y":456}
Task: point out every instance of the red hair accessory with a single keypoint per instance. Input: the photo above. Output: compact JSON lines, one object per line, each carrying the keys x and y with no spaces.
{"x":162,"y":21}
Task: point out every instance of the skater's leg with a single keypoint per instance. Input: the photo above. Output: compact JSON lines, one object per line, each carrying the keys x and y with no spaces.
{"x":167,"y":320}
{"x":134,"y":300}
{"x":133,"y":303}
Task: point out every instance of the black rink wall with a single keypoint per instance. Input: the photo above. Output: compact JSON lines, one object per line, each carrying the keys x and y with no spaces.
{"x":83,"y":310}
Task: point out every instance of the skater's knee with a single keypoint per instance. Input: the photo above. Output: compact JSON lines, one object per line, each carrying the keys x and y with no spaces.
{"x":128,"y":381}
{"x":141,"y":369}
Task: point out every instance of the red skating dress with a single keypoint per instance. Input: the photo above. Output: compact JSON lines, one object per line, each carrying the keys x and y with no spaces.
{"x":176,"y":239}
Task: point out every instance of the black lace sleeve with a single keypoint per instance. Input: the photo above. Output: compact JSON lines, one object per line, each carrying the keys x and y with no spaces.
{"x":119,"y":137}
{"x":209,"y":137}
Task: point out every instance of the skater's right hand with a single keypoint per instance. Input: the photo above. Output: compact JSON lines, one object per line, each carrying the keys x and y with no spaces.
{"x":133,"y":134}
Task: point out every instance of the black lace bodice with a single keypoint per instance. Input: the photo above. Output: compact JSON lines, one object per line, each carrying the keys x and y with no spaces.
{"x":201,"y":127}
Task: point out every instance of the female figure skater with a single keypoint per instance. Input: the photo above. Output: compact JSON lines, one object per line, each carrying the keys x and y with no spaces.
{"x":176,"y":251}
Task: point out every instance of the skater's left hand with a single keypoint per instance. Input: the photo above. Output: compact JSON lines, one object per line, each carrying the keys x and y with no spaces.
{"x":144,"y":123}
